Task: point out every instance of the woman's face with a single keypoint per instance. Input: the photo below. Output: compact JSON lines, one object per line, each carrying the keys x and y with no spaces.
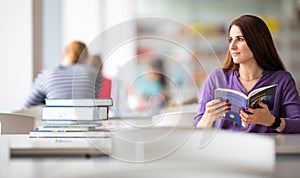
{"x":239,"y":50}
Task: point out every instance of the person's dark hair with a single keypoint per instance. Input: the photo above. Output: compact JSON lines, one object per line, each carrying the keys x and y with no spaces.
{"x":159,"y":66}
{"x":260,"y":42}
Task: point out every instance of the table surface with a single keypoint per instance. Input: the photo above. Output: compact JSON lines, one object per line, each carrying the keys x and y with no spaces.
{"x":287,"y":160}
{"x":21,"y":156}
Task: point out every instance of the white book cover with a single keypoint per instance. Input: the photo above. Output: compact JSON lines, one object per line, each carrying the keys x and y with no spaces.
{"x":68,"y":134}
{"x":75,"y":113}
{"x":80,"y":102}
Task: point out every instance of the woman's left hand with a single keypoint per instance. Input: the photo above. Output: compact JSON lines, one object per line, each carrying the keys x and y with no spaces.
{"x":261,"y":115}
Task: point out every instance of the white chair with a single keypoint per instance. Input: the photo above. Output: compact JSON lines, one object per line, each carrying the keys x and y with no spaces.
{"x":174,"y":119}
{"x":12,"y":123}
{"x":34,"y":111}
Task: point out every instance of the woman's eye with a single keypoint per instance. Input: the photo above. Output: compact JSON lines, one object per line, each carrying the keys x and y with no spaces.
{"x":229,"y":40}
{"x":241,"y":39}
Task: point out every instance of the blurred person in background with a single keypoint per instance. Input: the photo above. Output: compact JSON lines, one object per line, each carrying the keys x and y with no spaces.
{"x":149,"y":87}
{"x":96,"y":61}
{"x":71,"y":79}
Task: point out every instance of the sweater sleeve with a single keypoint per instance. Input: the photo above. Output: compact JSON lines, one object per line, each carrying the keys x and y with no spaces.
{"x":36,"y":95}
{"x":205,"y":96}
{"x":290,"y":109}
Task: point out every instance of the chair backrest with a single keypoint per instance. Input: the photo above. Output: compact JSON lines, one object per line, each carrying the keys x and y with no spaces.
{"x":174,"y":119}
{"x":34,"y":111}
{"x":12,"y":123}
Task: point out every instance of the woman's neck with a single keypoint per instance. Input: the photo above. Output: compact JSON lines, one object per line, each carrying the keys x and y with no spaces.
{"x":249,"y":76}
{"x":66,"y":62}
{"x":250,"y":73}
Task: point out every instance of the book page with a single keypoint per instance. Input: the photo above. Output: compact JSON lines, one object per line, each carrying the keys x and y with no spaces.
{"x":266,"y":95}
{"x":254,"y":92}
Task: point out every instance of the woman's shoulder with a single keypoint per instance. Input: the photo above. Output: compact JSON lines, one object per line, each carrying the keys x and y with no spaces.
{"x":220,"y":78}
{"x":77,"y":67}
{"x":57,"y":70}
{"x":283,"y":78}
{"x":46,"y":71}
{"x":220,"y":73}
{"x":280,"y":75}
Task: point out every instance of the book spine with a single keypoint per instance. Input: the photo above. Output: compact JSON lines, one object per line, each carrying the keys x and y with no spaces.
{"x":103,"y":113}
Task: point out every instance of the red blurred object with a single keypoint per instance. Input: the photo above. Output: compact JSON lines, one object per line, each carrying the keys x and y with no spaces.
{"x":105,"y":91}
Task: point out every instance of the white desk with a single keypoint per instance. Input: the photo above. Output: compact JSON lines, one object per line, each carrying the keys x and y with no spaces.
{"x":287,"y":144}
{"x":22,"y":145}
{"x":287,"y":155}
{"x":64,"y":165}
{"x":59,"y":166}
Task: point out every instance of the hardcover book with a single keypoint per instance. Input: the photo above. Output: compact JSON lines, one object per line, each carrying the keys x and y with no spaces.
{"x":68,"y":134}
{"x":79,"y":102}
{"x":74,"y":113}
{"x":240,"y":100}
{"x":63,"y":123}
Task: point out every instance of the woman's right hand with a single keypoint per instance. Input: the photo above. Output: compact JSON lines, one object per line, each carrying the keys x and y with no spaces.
{"x":215,"y":109}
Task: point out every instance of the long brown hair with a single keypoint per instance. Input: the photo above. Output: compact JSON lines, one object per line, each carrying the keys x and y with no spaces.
{"x":260,"y":42}
{"x":76,"y":50}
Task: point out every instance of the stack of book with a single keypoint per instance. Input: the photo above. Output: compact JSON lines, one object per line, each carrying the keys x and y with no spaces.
{"x":73,"y":118}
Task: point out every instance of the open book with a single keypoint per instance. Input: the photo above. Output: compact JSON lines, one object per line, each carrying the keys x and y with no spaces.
{"x":240,"y":100}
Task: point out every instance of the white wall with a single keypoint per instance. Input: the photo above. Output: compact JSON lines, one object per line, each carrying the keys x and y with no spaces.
{"x":86,"y":20}
{"x":102,"y":26}
{"x":81,"y":20}
{"x":16,"y":58}
{"x":52,"y":25}
{"x":118,"y":20}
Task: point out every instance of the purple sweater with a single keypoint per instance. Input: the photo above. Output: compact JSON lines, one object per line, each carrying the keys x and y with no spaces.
{"x":287,"y":102}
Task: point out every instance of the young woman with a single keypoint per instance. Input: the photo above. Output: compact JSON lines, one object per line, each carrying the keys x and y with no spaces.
{"x":251,"y":62}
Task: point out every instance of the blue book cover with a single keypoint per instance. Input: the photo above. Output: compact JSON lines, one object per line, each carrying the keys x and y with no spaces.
{"x":240,"y":100}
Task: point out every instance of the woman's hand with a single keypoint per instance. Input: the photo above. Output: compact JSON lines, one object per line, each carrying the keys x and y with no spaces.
{"x":261,"y":115}
{"x":215,"y":109}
